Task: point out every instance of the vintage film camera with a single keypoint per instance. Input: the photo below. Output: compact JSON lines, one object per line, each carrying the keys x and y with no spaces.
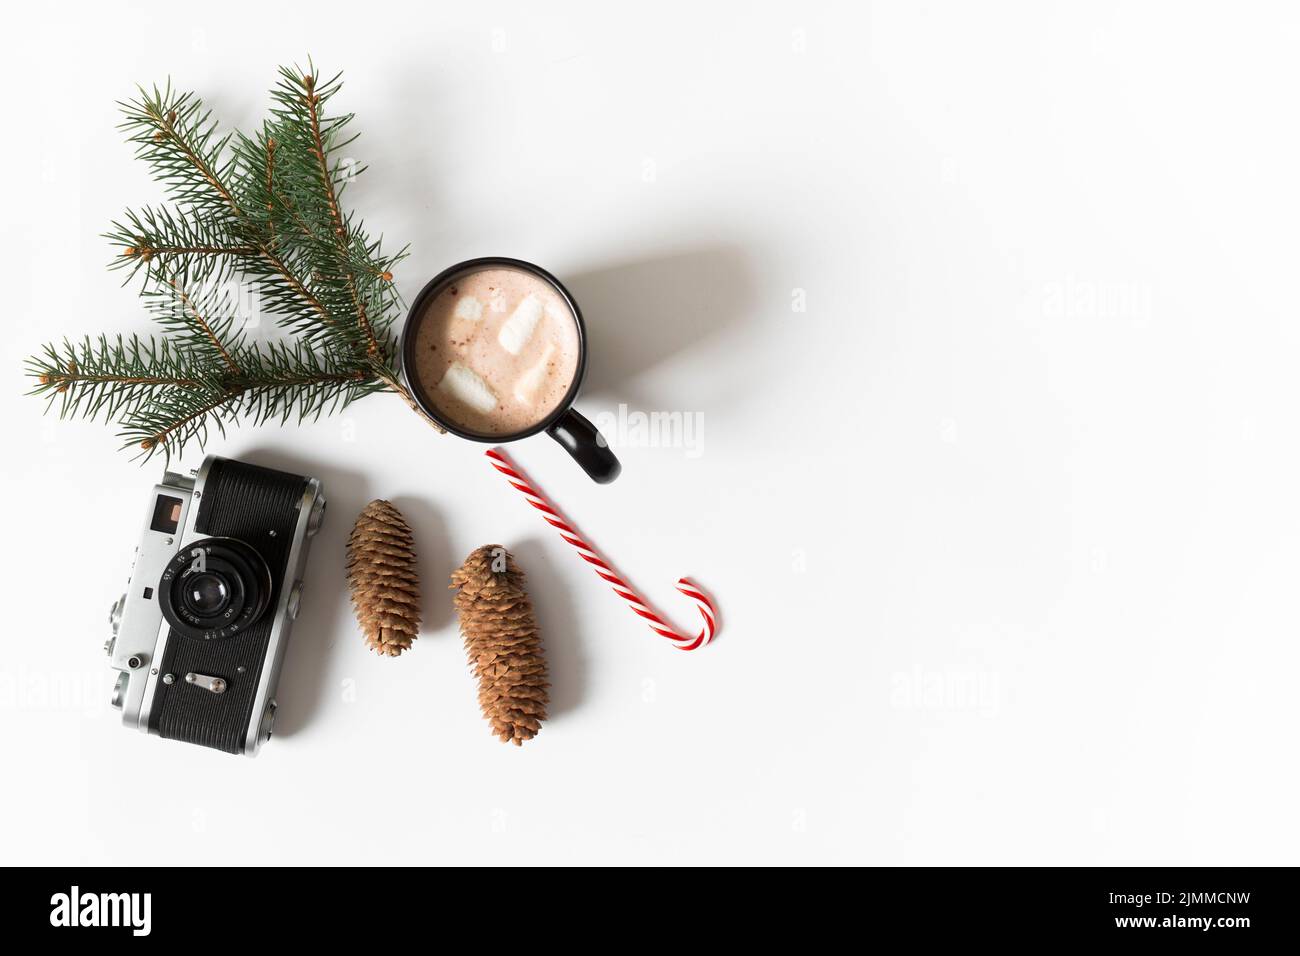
{"x":200,"y":634}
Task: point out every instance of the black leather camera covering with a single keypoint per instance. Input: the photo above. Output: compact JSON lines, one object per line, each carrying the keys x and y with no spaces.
{"x":245,"y":502}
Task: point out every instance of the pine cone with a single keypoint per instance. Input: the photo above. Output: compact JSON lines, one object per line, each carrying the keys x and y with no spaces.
{"x":502,"y":642}
{"x":383,"y":578}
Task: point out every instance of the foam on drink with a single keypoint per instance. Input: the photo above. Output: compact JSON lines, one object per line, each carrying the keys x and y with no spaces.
{"x":496,"y":350}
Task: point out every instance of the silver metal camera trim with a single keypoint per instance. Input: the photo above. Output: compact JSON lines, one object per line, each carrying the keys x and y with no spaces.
{"x":188,"y":534}
{"x":141,"y":633}
{"x":263,"y":715}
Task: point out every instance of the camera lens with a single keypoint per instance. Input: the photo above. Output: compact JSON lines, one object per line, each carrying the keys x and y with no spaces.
{"x":206,"y":594}
{"x":214,"y":588}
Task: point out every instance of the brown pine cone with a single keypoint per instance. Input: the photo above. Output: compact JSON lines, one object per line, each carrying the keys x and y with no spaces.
{"x":502,"y":642}
{"x":383,"y":578}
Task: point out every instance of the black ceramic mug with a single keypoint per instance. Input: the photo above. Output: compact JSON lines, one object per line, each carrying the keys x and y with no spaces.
{"x":565,"y":424}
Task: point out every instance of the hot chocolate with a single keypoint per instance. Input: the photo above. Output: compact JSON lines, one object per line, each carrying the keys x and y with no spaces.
{"x":496,"y":350}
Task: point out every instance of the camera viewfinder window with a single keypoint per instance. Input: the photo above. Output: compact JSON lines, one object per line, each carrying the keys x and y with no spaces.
{"x":166,"y":514}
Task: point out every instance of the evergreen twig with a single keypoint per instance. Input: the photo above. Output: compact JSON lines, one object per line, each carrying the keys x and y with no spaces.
{"x":264,"y":208}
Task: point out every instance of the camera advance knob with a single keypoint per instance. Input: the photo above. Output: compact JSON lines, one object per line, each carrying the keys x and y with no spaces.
{"x":317,"y":516}
{"x":119,"y":690}
{"x":115,"y":614}
{"x":268,"y":720}
{"x":115,"y":622}
{"x":294,"y":604}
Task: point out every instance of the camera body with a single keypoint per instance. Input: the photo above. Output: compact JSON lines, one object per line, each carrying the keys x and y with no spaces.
{"x":199,"y":636}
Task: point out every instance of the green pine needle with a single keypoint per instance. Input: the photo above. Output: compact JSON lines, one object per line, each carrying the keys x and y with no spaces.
{"x":262,"y":210}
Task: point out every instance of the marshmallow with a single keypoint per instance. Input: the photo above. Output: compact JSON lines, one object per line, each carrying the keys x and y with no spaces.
{"x":468,"y":308}
{"x":464,"y":385}
{"x":519,"y":328}
{"x":527,"y":384}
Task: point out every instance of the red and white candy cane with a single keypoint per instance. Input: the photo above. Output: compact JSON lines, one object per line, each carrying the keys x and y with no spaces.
{"x":683,"y":642}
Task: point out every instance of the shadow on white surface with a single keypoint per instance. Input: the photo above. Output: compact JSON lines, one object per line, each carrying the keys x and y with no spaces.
{"x":649,"y":312}
{"x":434,"y":559}
{"x":566,"y":664}
{"x":302,"y":687}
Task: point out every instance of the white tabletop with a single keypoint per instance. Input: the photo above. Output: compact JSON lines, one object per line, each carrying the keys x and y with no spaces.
{"x":984,"y":320}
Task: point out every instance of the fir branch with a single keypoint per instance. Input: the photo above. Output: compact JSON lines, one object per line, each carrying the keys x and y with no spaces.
{"x":310,"y":138}
{"x":278,"y":382}
{"x":174,"y":135}
{"x":160,"y":238}
{"x":177,"y":138}
{"x":179,"y":416}
{"x":267,"y":209}
{"x":270,"y":184}
{"x":313,"y":102}
{"x":283,"y":380}
{"x":184,"y":312}
{"x":111,"y":376}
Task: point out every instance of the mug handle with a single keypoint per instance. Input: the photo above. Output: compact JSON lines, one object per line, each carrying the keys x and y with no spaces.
{"x":587,"y":446}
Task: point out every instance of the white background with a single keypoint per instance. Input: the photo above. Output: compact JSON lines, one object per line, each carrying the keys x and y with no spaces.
{"x":1003,"y":524}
